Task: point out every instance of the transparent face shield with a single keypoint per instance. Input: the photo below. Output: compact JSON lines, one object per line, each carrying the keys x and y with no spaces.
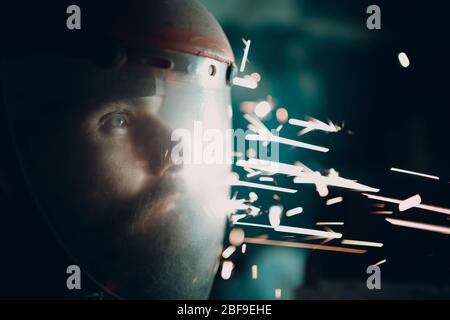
{"x":128,"y":165}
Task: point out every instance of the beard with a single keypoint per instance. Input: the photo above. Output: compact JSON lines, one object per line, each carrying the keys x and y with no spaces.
{"x":164,"y":244}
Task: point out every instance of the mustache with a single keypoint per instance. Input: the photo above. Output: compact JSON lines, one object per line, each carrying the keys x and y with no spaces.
{"x":158,"y":200}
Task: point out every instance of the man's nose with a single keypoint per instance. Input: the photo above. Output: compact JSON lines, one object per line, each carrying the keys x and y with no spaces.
{"x":154,"y":146}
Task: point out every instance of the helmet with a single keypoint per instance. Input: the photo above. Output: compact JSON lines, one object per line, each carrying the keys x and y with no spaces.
{"x":96,"y":116}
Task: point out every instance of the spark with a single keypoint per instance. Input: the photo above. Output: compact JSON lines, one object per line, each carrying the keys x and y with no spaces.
{"x":253,"y":174}
{"x":237,"y":217}
{"x":415,"y":173}
{"x":282,"y":115}
{"x":307,"y":177}
{"x":273,"y":138}
{"x":287,"y":229}
{"x":244,"y":58}
{"x":313,"y":124}
{"x":246,"y":82}
{"x":302,"y":245}
{"x":277,"y":293}
{"x":254,"y":272}
{"x":409,"y":203}
{"x":227,"y":269}
{"x":252,"y":196}
{"x":228,"y":252}
{"x":253,"y":211}
{"x":236,"y":237}
{"x":362,"y":243}
{"x":380,"y":262}
{"x":262,"y":109}
{"x":403,"y":59}
{"x":321,"y":188}
{"x":262,"y":186}
{"x":329,"y":223}
{"x":421,"y":206}
{"x":419,"y":225}
{"x":275,"y":215}
{"x":270,"y":166}
{"x":294,"y":211}
{"x":381,"y":212}
{"x":334,"y":201}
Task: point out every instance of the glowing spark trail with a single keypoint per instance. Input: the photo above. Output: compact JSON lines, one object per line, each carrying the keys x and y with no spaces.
{"x":244,"y":58}
{"x":246,"y":82}
{"x":227,"y":268}
{"x":409,"y":203}
{"x":415,"y":173}
{"x":313,"y":124}
{"x":277,"y":293}
{"x":228,"y":252}
{"x":380,"y":262}
{"x":307,"y":177}
{"x":287,"y":229}
{"x":294,"y":143}
{"x":294,"y":211}
{"x":381,"y":212}
{"x":419,"y":225}
{"x":362,"y":243}
{"x":262,"y":186}
{"x":302,"y":245}
{"x":421,"y":206}
{"x":270,"y":166}
{"x":254,"y":272}
{"x":334,"y":201}
{"x":329,"y":223}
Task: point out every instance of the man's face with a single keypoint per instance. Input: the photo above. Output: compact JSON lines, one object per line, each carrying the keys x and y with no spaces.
{"x":131,"y":218}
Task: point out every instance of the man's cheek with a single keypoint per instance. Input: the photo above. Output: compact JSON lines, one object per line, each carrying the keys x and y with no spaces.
{"x":118,"y":174}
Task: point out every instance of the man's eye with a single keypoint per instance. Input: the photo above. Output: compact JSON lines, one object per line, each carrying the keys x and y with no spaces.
{"x":118,"y":120}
